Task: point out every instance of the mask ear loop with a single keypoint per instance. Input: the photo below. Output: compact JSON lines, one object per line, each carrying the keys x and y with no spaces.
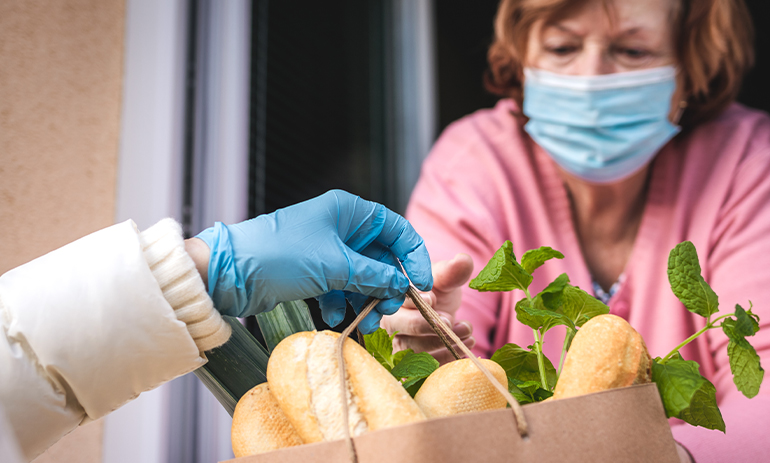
{"x":680,"y":111}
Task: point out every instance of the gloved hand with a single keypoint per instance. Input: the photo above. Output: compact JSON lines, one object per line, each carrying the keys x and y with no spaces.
{"x":335,"y":246}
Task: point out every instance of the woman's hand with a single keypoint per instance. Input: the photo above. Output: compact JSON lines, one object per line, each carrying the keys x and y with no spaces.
{"x":414,"y":332}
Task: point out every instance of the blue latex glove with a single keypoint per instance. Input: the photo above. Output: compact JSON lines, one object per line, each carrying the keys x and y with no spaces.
{"x":333,"y":247}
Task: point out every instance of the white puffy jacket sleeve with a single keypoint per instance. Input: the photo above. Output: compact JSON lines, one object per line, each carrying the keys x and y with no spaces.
{"x":90,"y":326}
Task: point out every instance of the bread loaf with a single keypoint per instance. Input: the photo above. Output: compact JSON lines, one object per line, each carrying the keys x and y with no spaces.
{"x":606,"y":353}
{"x":460,"y":387}
{"x":303,"y":374}
{"x":259,"y":424}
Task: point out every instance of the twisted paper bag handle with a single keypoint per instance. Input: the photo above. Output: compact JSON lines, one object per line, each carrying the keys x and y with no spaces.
{"x":443,"y":332}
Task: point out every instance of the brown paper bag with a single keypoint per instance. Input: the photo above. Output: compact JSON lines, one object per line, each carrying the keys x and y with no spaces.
{"x":619,"y":425}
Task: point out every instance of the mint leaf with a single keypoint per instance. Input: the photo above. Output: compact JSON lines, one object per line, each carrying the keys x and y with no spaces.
{"x":523,"y":315}
{"x":380,"y":345}
{"x":744,"y":361}
{"x":745,"y":366}
{"x":414,"y":368}
{"x":684,"y":275}
{"x":519,"y":395}
{"x":579,"y":306}
{"x":686,"y":394}
{"x":421,"y":364}
{"x":502,"y":272}
{"x":703,"y":409}
{"x":552,"y":294}
{"x":398,"y":356}
{"x":527,"y":387}
{"x":413,"y":387}
{"x":534,"y":258}
{"x":541,"y":394}
{"x":557,"y":285}
{"x":754,"y":318}
{"x":746,"y":322}
{"x":540,"y":314}
{"x":527,"y":392}
{"x":677,"y":382}
{"x":520,"y":365}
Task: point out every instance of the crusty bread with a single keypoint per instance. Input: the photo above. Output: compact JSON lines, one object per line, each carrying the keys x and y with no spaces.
{"x":460,"y":387}
{"x":304,"y":377}
{"x":606,"y":353}
{"x":259,"y":424}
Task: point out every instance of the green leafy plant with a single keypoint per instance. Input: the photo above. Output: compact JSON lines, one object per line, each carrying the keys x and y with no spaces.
{"x":685,"y":393}
{"x":407,"y":366}
{"x":559,"y":303}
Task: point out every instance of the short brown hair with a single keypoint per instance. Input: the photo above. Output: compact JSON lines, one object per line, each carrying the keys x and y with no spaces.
{"x":713,"y":43}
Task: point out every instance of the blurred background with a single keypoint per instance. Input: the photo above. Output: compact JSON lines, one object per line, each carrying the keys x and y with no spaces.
{"x":206,"y":111}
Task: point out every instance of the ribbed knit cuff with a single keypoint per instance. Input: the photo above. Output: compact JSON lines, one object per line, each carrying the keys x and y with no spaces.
{"x":182,"y":285}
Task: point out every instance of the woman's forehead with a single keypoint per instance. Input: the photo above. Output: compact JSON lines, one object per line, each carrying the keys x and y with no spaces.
{"x":619,"y":17}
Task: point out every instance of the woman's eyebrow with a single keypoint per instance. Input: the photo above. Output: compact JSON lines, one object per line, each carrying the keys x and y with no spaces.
{"x":564,"y":28}
{"x":630,"y":31}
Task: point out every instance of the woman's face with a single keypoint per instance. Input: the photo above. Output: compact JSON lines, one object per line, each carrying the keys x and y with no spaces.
{"x":589,"y":41}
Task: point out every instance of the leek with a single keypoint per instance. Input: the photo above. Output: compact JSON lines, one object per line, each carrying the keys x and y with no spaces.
{"x":286,"y":319}
{"x":234,"y":367}
{"x":241,"y":363}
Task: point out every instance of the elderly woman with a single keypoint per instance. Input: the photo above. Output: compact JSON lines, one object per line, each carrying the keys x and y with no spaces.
{"x":619,"y":139}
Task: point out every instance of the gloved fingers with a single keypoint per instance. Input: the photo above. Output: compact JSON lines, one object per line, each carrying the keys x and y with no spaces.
{"x":390,"y":306}
{"x":332,"y":305}
{"x":399,"y":236}
{"x":382,"y":254}
{"x":417,"y":266}
{"x":373,"y":278}
{"x":356,"y":300}
{"x":385,"y":306}
{"x":360,"y":221}
{"x":370,"y":323}
{"x":363,"y":222}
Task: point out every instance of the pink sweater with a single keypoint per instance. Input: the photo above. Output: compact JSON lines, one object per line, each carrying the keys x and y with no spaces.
{"x":486,"y":181}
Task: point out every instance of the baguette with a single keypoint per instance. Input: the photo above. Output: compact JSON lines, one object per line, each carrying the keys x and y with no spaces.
{"x":303,"y":374}
{"x":460,"y":387}
{"x":606,"y":353}
{"x":259,"y":424}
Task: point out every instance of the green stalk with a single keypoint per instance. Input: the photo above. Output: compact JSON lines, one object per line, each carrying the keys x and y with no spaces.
{"x":567,"y":341}
{"x":540,"y":362}
{"x":709,"y":325}
{"x":538,"y":348}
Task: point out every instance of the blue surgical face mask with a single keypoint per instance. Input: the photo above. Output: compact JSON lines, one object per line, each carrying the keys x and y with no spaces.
{"x":600,"y":128}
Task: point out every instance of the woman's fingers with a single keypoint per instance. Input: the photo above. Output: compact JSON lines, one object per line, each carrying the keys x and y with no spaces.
{"x":453,"y":273}
{"x":410,"y":322}
{"x":423,"y":343}
{"x":428,"y":297}
{"x":414,"y":332}
{"x":449,"y":276}
{"x":430,"y":342}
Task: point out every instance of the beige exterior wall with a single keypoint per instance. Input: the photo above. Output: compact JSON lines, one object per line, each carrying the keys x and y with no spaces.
{"x":60,"y":87}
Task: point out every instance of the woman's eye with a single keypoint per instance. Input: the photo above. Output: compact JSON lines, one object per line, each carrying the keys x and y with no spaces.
{"x":632,"y":53}
{"x":562,"y":50}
